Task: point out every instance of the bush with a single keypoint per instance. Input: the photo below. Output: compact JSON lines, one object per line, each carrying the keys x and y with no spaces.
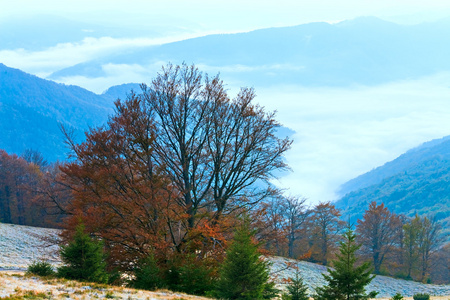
{"x":115,"y":277}
{"x":183,"y":273}
{"x":397,"y":296}
{"x":84,"y":259}
{"x":40,"y":268}
{"x":403,"y":275}
{"x":421,"y":297}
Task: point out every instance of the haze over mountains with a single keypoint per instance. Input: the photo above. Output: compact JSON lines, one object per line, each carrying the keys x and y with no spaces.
{"x":357,"y":93}
{"x":364,"y":51}
{"x":31,"y":110}
{"x":38,"y":32}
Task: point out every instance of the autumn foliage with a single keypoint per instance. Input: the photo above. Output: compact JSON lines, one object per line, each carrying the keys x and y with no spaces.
{"x":172,"y":168}
{"x":379,"y":232}
{"x":164,"y":181}
{"x":120,"y":194}
{"x":24,"y":184}
{"x":14,"y":198}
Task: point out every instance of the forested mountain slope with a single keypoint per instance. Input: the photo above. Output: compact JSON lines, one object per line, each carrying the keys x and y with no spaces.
{"x":32,"y":108}
{"x":412,"y":158}
{"x":416,"y":182}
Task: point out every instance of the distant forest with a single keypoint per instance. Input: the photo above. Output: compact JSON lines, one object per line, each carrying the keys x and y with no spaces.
{"x":417,"y":182}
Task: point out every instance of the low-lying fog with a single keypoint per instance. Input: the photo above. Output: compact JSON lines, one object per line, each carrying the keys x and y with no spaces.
{"x":342,"y":133}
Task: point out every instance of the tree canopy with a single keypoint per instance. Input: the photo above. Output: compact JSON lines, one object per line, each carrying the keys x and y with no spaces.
{"x":171,"y":165}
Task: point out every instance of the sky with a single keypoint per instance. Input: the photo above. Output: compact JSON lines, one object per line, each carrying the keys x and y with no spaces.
{"x":186,"y":19}
{"x":338,"y":135}
{"x":228,"y":15}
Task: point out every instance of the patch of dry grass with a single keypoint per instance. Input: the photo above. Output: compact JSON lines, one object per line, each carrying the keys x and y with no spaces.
{"x":16,"y":285}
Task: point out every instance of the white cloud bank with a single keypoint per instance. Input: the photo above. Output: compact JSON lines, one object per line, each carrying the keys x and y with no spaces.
{"x":43,"y":63}
{"x":342,"y":133}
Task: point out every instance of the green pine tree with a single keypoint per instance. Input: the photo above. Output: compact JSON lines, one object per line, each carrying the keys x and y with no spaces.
{"x":243,"y":274}
{"x":147,"y":275}
{"x":84,"y":259}
{"x":297,"y":290}
{"x":346,"y":281}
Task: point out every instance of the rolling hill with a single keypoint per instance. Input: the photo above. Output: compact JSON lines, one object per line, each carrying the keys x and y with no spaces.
{"x":21,"y":245}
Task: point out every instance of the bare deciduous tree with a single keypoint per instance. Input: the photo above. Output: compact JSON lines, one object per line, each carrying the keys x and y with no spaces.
{"x":325,"y":228}
{"x":428,"y":241}
{"x":213,"y":148}
{"x":165,"y":171}
{"x":295,"y":214}
{"x":379,"y":232}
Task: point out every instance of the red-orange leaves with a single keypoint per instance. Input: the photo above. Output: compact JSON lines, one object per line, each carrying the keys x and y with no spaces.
{"x":378,"y":232}
{"x":173,"y":164}
{"x":118,"y":194}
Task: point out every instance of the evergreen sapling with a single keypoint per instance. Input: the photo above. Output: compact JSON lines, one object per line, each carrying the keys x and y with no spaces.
{"x":297,"y":290}
{"x":347,"y":281}
{"x":84,"y":259}
{"x":244,"y":275}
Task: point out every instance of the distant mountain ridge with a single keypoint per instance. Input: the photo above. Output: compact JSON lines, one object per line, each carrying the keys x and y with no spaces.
{"x":365,"y":51}
{"x":121,"y":91}
{"x":31,"y":110}
{"x":25,"y":32}
{"x":418,"y":181}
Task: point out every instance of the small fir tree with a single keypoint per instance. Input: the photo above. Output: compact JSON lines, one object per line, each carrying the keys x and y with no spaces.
{"x":244,"y":275}
{"x":297,"y":290}
{"x":84,"y":259}
{"x":191,"y":275}
{"x":397,"y":296}
{"x":421,"y":296}
{"x":147,"y":275}
{"x":346,"y":281}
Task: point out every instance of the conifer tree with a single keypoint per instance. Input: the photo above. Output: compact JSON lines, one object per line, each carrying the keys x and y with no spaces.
{"x":347,"y":281}
{"x":84,"y":259}
{"x":147,"y":275}
{"x":244,"y":275}
{"x":297,"y":290}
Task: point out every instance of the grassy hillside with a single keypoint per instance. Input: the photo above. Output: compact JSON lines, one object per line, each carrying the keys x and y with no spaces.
{"x":20,"y":245}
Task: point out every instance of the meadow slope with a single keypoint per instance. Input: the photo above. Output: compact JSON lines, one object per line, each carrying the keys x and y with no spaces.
{"x":20,"y":245}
